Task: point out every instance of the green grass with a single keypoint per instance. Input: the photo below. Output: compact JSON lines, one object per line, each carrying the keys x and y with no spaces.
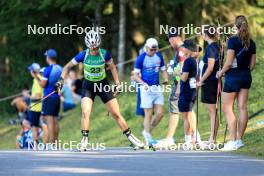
{"x":104,"y":129}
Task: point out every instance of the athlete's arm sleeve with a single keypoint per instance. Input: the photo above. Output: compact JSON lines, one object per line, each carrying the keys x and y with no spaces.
{"x":139,"y":64}
{"x":78,"y":58}
{"x":46,"y":73}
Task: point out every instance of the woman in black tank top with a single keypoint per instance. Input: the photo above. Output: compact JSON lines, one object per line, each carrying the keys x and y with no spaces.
{"x":238,"y":81}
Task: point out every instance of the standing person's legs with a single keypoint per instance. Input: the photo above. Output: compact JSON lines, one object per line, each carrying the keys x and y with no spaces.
{"x":185,"y":107}
{"x":147,"y":120}
{"x":44,"y":128}
{"x":34,"y":116}
{"x":243,"y":113}
{"x":209,"y":98}
{"x":211,"y":109}
{"x":173,"y":123}
{"x":35,"y":136}
{"x":56,"y":128}
{"x":56,"y":111}
{"x":51,"y":129}
{"x":194,"y":130}
{"x":158,"y":105}
{"x":187,"y":119}
{"x":168,"y":141}
{"x":51,"y":108}
{"x":147,"y":101}
{"x":227,"y":103}
{"x":147,"y":125}
{"x":174,"y":112}
{"x":159,"y":112}
{"x":193,"y":125}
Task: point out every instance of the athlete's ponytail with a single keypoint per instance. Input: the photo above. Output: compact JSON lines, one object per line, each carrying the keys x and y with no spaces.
{"x":243,"y":30}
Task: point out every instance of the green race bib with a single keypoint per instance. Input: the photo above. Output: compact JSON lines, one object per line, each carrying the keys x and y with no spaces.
{"x":94,"y":66}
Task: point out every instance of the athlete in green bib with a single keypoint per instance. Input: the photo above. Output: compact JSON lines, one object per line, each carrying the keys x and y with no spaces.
{"x":95,"y":60}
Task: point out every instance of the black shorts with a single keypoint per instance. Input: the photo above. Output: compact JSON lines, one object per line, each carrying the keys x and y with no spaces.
{"x":35,"y":116}
{"x":209,"y":92}
{"x":27,"y":117}
{"x":100,"y":88}
{"x":237,"y":81}
{"x":186,"y":105}
{"x":51,"y":106}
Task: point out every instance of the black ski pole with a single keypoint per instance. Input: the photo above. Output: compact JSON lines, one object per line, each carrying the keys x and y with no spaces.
{"x":42,"y":99}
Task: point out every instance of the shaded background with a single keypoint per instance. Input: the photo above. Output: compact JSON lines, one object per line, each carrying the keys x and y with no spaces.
{"x":128,"y":23}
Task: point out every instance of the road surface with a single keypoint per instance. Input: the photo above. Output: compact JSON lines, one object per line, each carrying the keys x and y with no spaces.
{"x":126,"y":162}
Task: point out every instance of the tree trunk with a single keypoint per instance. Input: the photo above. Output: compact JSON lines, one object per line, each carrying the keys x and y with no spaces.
{"x":122,"y":33}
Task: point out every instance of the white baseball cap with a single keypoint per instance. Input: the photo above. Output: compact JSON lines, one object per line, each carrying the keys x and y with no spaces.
{"x":34,"y":67}
{"x":151,"y":43}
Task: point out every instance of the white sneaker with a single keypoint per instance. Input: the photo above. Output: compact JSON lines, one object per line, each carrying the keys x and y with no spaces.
{"x":84,"y":143}
{"x":187,"y":145}
{"x":147,"y":136}
{"x":199,"y":140}
{"x":229,"y":146}
{"x":164,"y":143}
{"x":239,"y":143}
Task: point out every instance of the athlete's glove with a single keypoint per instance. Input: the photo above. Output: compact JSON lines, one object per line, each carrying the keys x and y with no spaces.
{"x":59,"y":85}
{"x":117,"y":89}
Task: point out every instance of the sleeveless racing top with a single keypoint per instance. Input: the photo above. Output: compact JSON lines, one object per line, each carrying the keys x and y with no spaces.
{"x":94,"y":66}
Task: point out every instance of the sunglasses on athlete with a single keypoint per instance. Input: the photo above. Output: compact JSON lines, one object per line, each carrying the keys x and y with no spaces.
{"x":94,"y":48}
{"x":153,"y":49}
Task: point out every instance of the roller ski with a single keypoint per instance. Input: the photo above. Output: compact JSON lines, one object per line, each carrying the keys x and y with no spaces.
{"x":84,"y":141}
{"x":136,"y":144}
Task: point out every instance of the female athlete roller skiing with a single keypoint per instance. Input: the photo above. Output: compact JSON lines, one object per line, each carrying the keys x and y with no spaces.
{"x":94,"y":60}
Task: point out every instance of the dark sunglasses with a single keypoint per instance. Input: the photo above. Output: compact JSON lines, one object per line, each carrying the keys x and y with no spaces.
{"x":153,"y":49}
{"x":94,"y":49}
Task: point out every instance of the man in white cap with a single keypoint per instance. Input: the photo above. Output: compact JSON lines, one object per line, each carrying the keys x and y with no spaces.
{"x":149,"y":64}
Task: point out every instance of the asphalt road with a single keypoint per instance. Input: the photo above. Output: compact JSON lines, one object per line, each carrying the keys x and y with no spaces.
{"x":126,"y":162}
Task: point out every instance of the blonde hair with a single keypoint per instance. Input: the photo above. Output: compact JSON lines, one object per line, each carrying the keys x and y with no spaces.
{"x":243,"y":33}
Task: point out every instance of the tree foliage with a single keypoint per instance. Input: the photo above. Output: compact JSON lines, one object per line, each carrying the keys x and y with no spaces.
{"x":18,"y":49}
